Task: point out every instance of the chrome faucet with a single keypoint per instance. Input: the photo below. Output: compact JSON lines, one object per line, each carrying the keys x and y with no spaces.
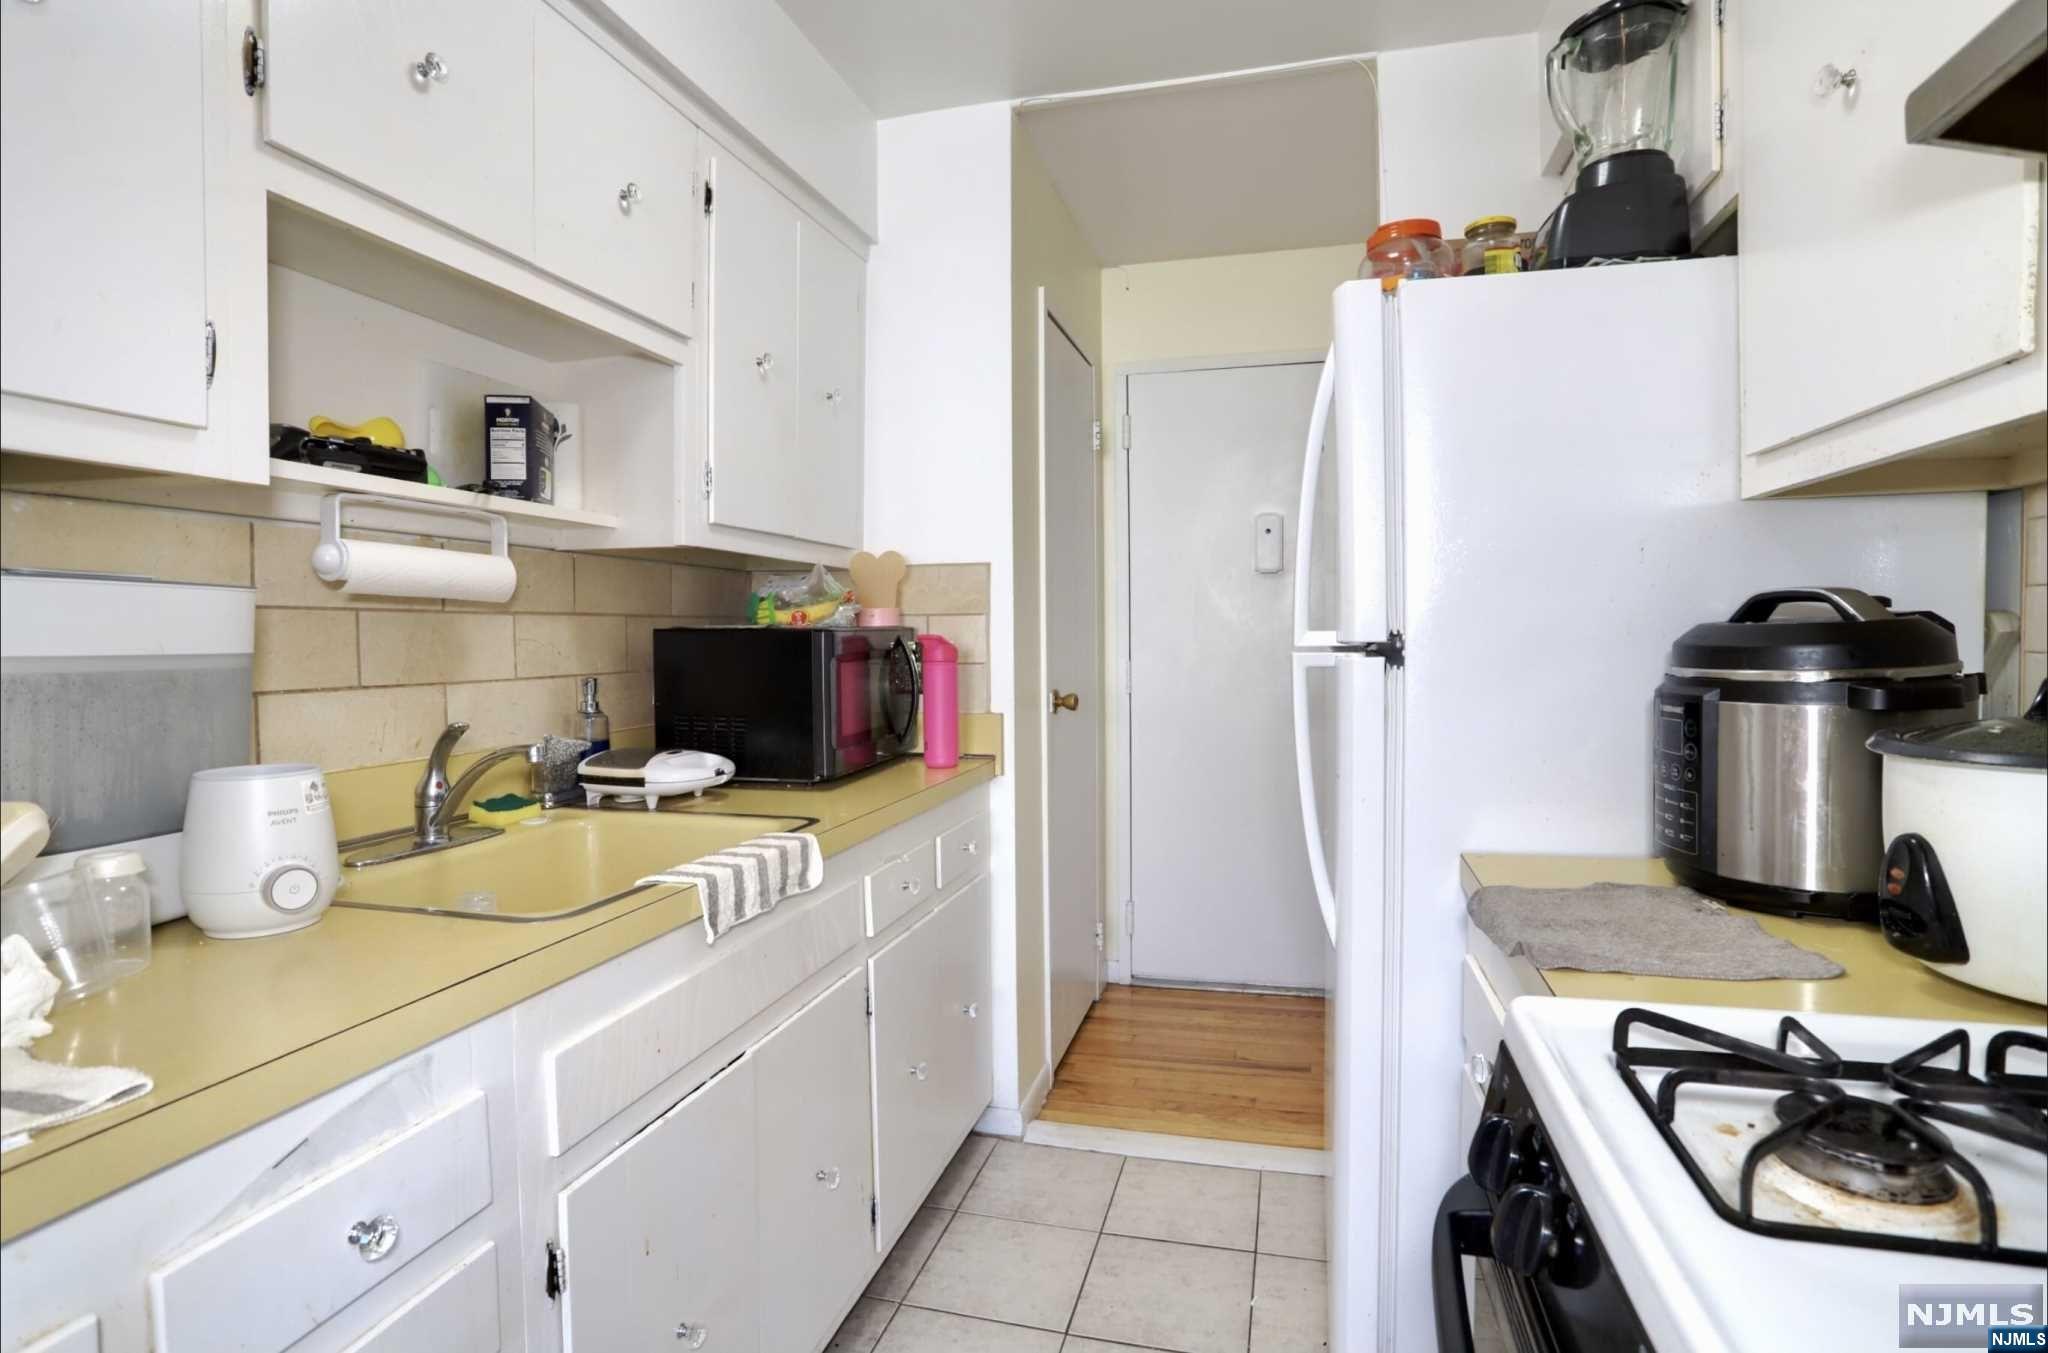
{"x":434,"y":799}
{"x":435,"y":802}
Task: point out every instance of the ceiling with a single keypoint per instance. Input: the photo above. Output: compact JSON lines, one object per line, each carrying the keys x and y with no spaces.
{"x":1283,"y":161}
{"x":910,"y":56}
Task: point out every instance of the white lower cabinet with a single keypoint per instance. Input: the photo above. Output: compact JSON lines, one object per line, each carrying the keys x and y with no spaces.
{"x":661,"y":1232}
{"x":814,"y":1169}
{"x":457,"y":1313}
{"x":932,"y":1056}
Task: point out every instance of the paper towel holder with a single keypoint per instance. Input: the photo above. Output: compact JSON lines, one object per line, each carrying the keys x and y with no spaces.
{"x":330,"y":556}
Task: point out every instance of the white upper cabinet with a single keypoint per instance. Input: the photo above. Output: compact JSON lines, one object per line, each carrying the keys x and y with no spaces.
{"x":429,"y":103}
{"x":103,"y":213}
{"x":615,"y":209}
{"x":830,"y":410}
{"x":755,"y":249}
{"x":1873,"y":271}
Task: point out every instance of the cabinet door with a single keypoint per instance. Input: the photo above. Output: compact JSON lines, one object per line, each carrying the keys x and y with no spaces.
{"x":932,"y":1055}
{"x":429,"y":103}
{"x":831,"y":337}
{"x":754,"y":241}
{"x":814,"y":1164}
{"x":660,"y":1234}
{"x":616,"y":213}
{"x":1872,"y":270}
{"x":103,"y":209}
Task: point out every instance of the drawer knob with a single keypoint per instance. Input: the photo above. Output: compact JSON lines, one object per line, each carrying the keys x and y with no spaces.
{"x":921,"y":1070}
{"x":972,"y":847}
{"x":765,"y":363}
{"x":429,"y":70}
{"x":375,"y":1238}
{"x":972,"y":1010}
{"x":912,"y":885}
{"x":1831,"y":78}
{"x":693,"y":1336}
{"x":1479,"y":1070}
{"x":832,"y":396}
{"x":829,"y":1178}
{"x":628,"y":195}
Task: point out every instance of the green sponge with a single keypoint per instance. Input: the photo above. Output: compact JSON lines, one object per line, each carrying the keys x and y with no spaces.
{"x":503,"y":810}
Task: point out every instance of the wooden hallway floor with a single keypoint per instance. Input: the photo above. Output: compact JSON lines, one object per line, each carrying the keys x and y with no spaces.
{"x":1219,"y":1064}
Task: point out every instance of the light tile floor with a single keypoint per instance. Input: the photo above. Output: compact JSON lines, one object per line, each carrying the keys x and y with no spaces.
{"x":1039,"y":1249}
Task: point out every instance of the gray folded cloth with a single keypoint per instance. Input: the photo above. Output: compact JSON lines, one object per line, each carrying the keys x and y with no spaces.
{"x":1632,"y":928}
{"x":749,"y":879}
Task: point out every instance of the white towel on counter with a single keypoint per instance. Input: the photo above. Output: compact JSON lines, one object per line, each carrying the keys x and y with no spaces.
{"x":36,"y":1095}
{"x":750,"y":878}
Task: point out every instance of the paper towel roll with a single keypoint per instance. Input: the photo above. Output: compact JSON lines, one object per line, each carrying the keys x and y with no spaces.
{"x":380,"y":570}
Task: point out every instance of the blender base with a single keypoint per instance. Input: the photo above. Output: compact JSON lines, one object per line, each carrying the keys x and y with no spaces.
{"x":1627,"y":206}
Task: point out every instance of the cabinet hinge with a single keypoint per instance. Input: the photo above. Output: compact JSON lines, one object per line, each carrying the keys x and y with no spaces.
{"x":1720,"y":120}
{"x":558,"y":1272}
{"x":1097,"y":425}
{"x":707,"y":196}
{"x":693,"y":295}
{"x":212,"y":352}
{"x":1130,"y":918}
{"x":254,"y":66}
{"x":707,"y":481}
{"x":1127,"y":430}
{"x":870,"y":992}
{"x":1720,"y":13}
{"x":1098,"y":937}
{"x":874,"y":1213}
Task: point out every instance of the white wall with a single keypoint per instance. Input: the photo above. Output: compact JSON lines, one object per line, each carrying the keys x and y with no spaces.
{"x":939,"y":422}
{"x":1459,"y":133}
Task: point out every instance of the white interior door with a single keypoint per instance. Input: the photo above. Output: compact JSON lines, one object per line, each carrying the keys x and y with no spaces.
{"x":1220,"y":877}
{"x":1073,"y":668}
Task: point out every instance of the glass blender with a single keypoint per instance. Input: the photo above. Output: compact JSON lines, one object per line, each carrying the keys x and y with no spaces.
{"x":1612,"y":80}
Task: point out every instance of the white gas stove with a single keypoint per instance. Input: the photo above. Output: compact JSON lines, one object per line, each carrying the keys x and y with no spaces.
{"x":1694,"y":1179}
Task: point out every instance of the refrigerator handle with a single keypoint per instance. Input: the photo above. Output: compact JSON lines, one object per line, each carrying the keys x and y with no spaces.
{"x":1305,"y":517}
{"x":1305,"y":775}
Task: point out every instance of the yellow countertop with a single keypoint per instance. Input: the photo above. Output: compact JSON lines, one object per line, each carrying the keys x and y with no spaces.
{"x":234,"y":1032}
{"x":1879,"y":980}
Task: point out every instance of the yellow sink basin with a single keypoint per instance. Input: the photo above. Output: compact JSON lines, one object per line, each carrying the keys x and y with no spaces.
{"x":551,"y":866}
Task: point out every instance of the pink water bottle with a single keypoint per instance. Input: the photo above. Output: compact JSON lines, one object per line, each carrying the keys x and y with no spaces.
{"x":941,"y":701}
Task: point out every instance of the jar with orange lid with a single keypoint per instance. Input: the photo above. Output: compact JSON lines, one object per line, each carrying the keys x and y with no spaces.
{"x":1409,"y":248}
{"x":1490,"y":246}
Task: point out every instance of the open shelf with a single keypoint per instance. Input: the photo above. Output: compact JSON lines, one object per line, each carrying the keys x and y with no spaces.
{"x":350,"y":481}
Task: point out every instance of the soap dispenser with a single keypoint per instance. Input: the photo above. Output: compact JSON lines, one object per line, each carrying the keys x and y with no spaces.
{"x":591,"y":724}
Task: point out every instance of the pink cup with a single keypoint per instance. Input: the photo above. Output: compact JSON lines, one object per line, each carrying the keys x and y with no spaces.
{"x":878,"y":617}
{"x":941,"y":666}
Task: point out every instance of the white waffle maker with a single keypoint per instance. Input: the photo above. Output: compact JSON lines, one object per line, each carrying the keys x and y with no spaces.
{"x":650,"y":776}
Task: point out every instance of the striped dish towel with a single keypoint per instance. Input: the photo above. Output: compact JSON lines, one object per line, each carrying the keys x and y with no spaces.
{"x":749,"y":879}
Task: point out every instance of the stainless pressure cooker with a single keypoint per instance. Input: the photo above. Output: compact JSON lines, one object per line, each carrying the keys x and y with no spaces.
{"x":1764,"y":793}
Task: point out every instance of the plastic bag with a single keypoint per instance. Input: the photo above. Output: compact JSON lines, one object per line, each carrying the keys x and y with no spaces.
{"x":814,"y":598}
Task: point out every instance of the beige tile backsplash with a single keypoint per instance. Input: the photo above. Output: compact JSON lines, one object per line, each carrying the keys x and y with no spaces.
{"x":2034,"y":595}
{"x":345,"y":681}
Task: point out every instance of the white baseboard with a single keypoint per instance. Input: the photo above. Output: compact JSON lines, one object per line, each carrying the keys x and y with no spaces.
{"x":1034,"y":1098}
{"x":1191,"y":1150}
{"x":996,"y":1121}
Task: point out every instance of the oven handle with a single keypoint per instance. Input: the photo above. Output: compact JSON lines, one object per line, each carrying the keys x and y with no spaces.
{"x":1464,"y":1223}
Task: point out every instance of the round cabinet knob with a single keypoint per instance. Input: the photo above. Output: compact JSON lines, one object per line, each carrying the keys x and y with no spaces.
{"x":1493,"y":1156}
{"x":829,"y":1178}
{"x":291,"y":887}
{"x":1479,"y":1070}
{"x":1831,"y":78}
{"x":765,"y":363}
{"x":375,"y":1238}
{"x":972,"y":848}
{"x":912,"y":885}
{"x":832,"y":396}
{"x":429,"y":70}
{"x":692,"y":1336}
{"x":1524,"y":1234}
{"x":921,"y":1070}
{"x":972,"y":1010}
{"x":628,"y":195}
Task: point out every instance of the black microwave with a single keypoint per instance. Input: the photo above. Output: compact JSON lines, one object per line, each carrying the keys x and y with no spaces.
{"x":786,"y":704}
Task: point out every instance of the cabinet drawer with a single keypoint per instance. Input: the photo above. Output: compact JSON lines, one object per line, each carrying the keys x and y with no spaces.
{"x":429,"y":103}
{"x":932,"y":1056}
{"x":901,"y":884}
{"x":457,"y":1313}
{"x":814,"y":1162}
{"x":963,"y":851}
{"x":605,"y":1068}
{"x":660,"y":1234}
{"x":275,"y":1274}
{"x":615,"y":213}
{"x":1485,"y":1024}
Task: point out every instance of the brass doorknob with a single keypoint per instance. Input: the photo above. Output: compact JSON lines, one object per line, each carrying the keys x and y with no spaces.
{"x":1070,"y":701}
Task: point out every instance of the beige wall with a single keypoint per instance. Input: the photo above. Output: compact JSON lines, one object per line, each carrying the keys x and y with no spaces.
{"x":1046,"y":250}
{"x":348,"y":682}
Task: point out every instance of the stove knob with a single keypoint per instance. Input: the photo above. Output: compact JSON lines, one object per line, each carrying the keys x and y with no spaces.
{"x":1524,"y":1237}
{"x":1493,"y":1156}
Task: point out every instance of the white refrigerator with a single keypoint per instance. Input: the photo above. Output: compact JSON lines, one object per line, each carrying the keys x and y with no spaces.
{"x":1536,"y":491}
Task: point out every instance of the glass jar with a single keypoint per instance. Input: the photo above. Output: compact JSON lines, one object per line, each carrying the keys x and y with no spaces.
{"x":117,"y":885}
{"x":1490,"y":246}
{"x":1409,"y":248}
{"x":63,"y":927}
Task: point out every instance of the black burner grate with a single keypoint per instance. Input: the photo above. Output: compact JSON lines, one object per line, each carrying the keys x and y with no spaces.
{"x":2008,"y":1105}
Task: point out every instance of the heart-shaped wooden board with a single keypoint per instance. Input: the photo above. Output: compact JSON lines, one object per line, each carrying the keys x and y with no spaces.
{"x":878,"y":579}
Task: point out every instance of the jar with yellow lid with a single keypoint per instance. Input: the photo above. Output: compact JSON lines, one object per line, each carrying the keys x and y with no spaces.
{"x":1490,"y":246}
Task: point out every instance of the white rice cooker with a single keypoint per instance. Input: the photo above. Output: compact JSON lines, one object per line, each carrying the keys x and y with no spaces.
{"x":258,"y":856}
{"x":1965,"y":882}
